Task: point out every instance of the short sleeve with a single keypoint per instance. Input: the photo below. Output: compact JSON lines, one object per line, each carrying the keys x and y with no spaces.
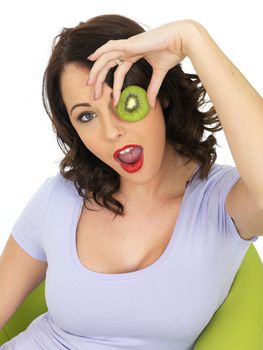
{"x":27,"y":228}
{"x":220,"y":184}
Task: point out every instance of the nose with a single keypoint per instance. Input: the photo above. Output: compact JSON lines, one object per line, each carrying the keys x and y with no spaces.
{"x":112,"y":126}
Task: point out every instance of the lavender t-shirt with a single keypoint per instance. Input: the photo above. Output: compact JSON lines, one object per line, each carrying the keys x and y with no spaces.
{"x":163,"y":306}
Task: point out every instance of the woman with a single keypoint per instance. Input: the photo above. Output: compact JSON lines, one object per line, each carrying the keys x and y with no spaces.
{"x":153,"y":275}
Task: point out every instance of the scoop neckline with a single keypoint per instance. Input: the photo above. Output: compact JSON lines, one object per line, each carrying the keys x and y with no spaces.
{"x":133,"y":274}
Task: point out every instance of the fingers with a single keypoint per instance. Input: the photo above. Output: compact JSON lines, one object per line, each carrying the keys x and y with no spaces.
{"x":100,"y":64}
{"x":154,"y":86}
{"x":100,"y":70}
{"x":100,"y":79}
{"x":111,"y":45}
{"x":105,"y":57}
{"x":119,"y":76}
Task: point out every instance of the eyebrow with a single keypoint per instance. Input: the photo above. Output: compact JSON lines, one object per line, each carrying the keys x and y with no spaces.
{"x":84,"y":104}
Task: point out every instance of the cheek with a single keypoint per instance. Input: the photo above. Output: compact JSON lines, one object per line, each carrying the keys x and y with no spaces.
{"x":155,"y":125}
{"x":156,"y":132}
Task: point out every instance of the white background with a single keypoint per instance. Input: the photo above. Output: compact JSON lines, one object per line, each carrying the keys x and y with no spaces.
{"x":29,"y":152}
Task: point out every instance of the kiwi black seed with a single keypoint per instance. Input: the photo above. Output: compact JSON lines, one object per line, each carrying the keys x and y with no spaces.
{"x":133,"y":103}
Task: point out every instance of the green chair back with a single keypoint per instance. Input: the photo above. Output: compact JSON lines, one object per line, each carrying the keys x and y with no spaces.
{"x":238,"y":322}
{"x":236,"y":325}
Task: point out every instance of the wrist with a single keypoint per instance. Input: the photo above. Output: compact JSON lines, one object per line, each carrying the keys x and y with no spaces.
{"x":194,"y":34}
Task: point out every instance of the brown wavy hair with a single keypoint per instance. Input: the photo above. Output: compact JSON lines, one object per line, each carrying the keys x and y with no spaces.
{"x":185,"y":123}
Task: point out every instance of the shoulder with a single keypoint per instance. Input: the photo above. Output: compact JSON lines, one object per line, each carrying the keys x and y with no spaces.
{"x":211,"y":192}
{"x":221,"y":177}
{"x":218,"y":171}
{"x":60,"y":184}
{"x":54,"y":187}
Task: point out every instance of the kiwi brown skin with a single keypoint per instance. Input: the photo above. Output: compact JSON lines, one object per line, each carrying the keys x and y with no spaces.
{"x":133,"y":104}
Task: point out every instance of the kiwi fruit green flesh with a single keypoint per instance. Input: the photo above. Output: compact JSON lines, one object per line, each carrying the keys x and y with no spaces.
{"x":133,"y":103}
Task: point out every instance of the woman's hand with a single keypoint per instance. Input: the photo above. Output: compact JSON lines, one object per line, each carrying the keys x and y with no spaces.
{"x":162,"y":48}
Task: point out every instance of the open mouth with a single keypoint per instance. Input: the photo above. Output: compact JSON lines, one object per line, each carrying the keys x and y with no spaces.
{"x":131,"y":156}
{"x":133,"y":166}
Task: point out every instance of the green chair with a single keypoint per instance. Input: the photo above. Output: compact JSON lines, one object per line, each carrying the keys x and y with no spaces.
{"x":236,"y":325}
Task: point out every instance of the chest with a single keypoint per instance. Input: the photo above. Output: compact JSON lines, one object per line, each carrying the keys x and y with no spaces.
{"x":124,"y":244}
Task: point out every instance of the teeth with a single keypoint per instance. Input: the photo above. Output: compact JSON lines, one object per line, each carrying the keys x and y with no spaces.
{"x":127,"y":150}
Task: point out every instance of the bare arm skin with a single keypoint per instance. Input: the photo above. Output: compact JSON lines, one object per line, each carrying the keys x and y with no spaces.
{"x":19,"y":275}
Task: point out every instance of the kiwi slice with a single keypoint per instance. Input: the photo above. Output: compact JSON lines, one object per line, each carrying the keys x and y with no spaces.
{"x":133,"y":103}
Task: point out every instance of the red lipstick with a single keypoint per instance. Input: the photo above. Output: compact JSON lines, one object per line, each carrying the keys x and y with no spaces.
{"x":130,"y":167}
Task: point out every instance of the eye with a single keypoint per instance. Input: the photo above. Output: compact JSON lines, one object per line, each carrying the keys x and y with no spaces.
{"x":91,"y":116}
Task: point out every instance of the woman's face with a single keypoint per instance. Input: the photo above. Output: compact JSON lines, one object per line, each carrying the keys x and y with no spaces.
{"x":103,"y":131}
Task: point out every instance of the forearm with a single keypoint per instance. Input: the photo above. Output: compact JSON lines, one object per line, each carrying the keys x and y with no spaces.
{"x":237,"y":103}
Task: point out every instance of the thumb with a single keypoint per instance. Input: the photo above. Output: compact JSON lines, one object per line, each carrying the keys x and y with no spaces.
{"x":154,"y":86}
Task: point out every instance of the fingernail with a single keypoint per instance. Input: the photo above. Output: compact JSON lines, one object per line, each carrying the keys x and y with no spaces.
{"x":90,"y":57}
